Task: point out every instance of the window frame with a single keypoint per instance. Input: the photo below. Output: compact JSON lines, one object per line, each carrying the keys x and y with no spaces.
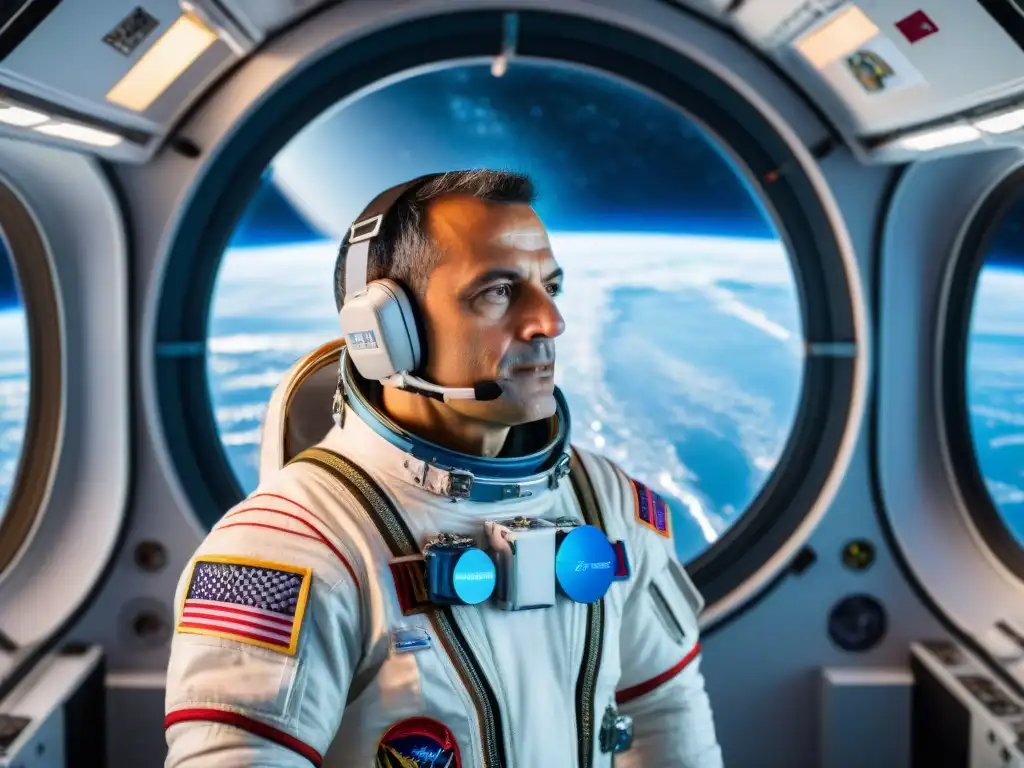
{"x":44,"y":425}
{"x":833,"y":384}
{"x":72,"y":204}
{"x":953,"y":347}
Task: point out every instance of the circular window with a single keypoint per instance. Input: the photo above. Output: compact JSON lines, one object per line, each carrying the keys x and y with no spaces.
{"x":983,"y":377}
{"x":14,"y":375}
{"x":683,"y":334}
{"x":698,"y":354}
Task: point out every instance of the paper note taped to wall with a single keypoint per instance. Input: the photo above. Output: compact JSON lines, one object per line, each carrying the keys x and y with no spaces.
{"x":880,"y":67}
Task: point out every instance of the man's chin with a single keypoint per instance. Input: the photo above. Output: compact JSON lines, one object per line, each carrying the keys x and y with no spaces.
{"x":539,"y":405}
{"x":510,"y":410}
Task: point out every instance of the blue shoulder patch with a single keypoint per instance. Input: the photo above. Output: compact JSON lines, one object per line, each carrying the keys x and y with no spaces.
{"x":651,"y":509}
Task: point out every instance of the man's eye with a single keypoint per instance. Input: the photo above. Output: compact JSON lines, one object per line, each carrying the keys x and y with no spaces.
{"x":554,"y":289}
{"x":498,"y":292}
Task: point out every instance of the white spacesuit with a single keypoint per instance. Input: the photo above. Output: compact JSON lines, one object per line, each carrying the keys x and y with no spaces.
{"x":303,"y":636}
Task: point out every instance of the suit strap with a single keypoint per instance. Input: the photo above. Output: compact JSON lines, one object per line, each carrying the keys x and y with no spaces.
{"x":399,"y":540}
{"x":389,"y":524}
{"x":585,"y":494}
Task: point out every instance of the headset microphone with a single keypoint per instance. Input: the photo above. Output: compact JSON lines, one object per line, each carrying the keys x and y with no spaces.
{"x":482,"y":390}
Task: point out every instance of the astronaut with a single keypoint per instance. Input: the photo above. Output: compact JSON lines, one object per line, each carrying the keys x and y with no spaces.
{"x":402,"y":589}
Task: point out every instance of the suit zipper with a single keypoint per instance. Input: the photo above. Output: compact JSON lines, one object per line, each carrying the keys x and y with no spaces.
{"x":587,"y":682}
{"x":355,"y":482}
{"x":487,"y":710}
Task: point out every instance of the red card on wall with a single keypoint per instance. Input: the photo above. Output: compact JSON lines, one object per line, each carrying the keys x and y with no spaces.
{"x":917,"y":26}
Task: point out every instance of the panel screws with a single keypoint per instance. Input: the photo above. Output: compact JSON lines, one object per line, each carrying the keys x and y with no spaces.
{"x":150,"y":556}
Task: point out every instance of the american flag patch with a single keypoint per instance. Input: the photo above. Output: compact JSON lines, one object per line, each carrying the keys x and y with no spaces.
{"x":651,"y":509}
{"x":251,"y":601}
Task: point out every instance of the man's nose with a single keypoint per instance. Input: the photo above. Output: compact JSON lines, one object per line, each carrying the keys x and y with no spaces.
{"x":540,"y":317}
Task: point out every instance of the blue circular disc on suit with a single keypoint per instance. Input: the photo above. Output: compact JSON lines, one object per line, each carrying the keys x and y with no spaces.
{"x":585,"y":564}
{"x":474,"y":576}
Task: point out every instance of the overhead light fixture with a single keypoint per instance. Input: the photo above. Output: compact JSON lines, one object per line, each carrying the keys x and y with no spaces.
{"x":1004,"y":123}
{"x":21,"y":117}
{"x":845,"y":32}
{"x":169,"y":56}
{"x":80,"y":133}
{"x":940,"y":137}
{"x":227,"y":29}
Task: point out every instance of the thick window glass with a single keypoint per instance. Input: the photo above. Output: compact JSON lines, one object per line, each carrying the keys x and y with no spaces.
{"x":683,"y":354}
{"x":14,"y":375}
{"x":995,"y":371}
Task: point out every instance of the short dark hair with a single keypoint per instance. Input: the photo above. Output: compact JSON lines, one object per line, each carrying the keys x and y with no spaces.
{"x":403,"y":250}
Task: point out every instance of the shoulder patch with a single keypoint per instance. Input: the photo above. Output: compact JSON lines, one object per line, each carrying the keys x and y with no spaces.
{"x":252,"y":601}
{"x":418,"y":742}
{"x":409,"y":574}
{"x":651,"y":509}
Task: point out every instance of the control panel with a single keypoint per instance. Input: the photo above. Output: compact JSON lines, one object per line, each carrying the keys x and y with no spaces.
{"x":963,"y":714}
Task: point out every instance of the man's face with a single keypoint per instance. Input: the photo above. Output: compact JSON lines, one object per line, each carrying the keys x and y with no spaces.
{"x":489,"y":308}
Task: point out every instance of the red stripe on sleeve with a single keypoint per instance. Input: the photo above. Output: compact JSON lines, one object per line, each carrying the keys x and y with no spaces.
{"x":636,"y":691}
{"x":254,"y":727}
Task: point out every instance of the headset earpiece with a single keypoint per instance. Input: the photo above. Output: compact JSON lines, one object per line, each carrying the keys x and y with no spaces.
{"x":380,"y":331}
{"x":377,"y":317}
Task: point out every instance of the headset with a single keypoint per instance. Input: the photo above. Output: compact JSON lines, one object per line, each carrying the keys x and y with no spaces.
{"x":378,"y":317}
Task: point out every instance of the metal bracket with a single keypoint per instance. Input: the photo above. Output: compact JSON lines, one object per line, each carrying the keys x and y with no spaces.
{"x":373,"y":222}
{"x":511,"y":491}
{"x":560,"y":470}
{"x":460,"y":483}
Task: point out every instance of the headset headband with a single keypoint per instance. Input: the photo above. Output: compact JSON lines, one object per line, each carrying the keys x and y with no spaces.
{"x":366,"y":227}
